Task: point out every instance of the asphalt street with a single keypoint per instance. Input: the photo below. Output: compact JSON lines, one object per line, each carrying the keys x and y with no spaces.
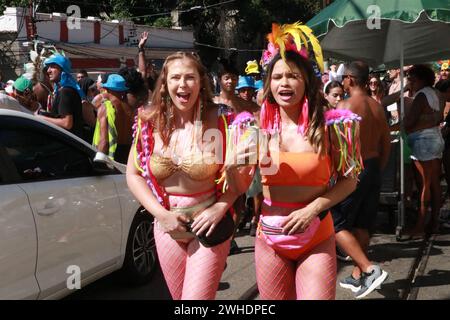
{"x":418,"y":270}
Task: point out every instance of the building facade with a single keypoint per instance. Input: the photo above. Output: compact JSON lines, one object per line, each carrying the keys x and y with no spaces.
{"x":90,"y":43}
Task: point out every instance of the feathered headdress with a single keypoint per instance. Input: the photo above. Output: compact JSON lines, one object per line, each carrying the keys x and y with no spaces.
{"x":291,"y":37}
{"x":34,"y":70}
{"x":288,"y":37}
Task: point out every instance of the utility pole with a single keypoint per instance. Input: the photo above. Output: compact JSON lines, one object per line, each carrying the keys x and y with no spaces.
{"x":32,"y":20}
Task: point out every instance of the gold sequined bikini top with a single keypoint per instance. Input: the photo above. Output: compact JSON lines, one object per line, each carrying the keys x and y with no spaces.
{"x":197,"y":166}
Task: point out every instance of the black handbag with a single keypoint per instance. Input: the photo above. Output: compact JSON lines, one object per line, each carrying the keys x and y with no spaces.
{"x":222,"y":232}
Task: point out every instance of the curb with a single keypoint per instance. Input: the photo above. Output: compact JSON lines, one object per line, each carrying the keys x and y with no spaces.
{"x":421,"y":265}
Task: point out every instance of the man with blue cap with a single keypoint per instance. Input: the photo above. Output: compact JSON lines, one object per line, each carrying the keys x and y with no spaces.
{"x":65,"y":108}
{"x":113,"y":130}
{"x":246,"y":88}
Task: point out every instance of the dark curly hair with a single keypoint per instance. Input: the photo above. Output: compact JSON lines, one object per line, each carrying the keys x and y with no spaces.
{"x":424,"y":73}
{"x":226,"y":66}
{"x":134,"y":82}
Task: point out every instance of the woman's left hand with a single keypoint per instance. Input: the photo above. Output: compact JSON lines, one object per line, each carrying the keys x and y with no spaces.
{"x":207,"y":220}
{"x":299,"y":220}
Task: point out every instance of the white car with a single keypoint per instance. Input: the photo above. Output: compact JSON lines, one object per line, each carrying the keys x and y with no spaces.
{"x":64,"y":222}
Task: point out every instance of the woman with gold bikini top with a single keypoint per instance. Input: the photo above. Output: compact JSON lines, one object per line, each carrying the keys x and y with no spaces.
{"x":173,"y":176}
{"x":196,"y":166}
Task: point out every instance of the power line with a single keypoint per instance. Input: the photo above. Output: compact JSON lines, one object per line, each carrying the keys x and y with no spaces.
{"x":95,"y":4}
{"x":227,"y":49}
{"x":183,"y":11}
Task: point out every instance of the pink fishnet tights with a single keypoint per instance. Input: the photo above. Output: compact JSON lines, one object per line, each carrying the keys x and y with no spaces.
{"x":191,"y":271}
{"x":312,"y":277}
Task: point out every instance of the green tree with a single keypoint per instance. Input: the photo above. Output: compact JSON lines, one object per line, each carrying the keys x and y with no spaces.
{"x":251,"y":20}
{"x":112,"y":9}
{"x":239,"y":24}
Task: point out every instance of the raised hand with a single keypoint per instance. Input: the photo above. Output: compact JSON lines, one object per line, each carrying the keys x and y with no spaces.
{"x":143,"y":40}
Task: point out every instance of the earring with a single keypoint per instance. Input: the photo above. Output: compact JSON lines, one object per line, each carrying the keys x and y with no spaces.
{"x":303,"y":119}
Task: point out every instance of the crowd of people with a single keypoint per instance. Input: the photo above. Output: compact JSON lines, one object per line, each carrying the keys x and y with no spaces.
{"x":189,"y":154}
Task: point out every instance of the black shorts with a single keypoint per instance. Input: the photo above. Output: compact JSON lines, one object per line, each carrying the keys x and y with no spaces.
{"x":360,"y":208}
{"x":122,"y":152}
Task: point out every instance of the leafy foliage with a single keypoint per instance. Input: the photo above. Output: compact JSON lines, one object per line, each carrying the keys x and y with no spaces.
{"x":239,"y":24}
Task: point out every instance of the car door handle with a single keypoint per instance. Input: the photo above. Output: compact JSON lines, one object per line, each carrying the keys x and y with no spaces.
{"x":48,"y":210}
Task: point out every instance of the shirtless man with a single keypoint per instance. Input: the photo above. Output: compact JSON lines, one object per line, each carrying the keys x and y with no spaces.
{"x":114,"y":138}
{"x":353,"y":217}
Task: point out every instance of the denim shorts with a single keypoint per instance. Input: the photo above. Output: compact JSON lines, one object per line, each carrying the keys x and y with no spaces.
{"x":426,"y":144}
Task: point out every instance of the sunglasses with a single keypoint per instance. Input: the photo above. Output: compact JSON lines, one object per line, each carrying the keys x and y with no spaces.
{"x":345,"y":76}
{"x":373,"y":82}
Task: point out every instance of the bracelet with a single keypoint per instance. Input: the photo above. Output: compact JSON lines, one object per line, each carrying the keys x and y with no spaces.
{"x":141,"y":50}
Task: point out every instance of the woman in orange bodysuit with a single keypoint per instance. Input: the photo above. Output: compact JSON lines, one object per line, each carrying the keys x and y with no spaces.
{"x":295,"y":245}
{"x":172,"y":170}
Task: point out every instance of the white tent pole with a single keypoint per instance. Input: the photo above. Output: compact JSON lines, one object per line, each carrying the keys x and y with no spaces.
{"x":401,"y":207}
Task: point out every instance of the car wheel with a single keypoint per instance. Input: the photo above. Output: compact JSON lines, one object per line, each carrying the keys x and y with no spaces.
{"x":140,"y":256}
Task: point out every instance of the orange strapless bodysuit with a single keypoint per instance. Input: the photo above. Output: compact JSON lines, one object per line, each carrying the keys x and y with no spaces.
{"x":301,"y":169}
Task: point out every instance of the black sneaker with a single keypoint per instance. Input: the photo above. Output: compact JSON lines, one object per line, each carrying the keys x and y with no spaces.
{"x":342,"y":255}
{"x":234,"y":248}
{"x":371,"y":281}
{"x":350,"y":283}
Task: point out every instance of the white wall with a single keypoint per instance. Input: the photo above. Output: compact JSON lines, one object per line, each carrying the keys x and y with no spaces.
{"x":48,"y":27}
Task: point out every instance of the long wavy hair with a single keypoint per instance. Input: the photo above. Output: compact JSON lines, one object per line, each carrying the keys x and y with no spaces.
{"x":316,"y":128}
{"x":379,"y":92}
{"x":159,"y":113}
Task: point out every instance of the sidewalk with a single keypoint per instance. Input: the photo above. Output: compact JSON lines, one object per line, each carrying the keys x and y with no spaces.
{"x":434,"y":282}
{"x":397,"y":258}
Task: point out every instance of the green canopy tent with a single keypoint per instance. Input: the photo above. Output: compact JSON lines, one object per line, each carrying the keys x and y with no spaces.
{"x":389,"y":32}
{"x":420,"y":29}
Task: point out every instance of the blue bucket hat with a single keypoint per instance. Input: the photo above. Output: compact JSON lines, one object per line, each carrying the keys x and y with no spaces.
{"x":66,"y":80}
{"x":245,"y":82}
{"x":259,"y":85}
{"x":61,"y":61}
{"x":115,"y":82}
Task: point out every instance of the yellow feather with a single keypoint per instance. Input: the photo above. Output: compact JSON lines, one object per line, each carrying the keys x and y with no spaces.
{"x":317,"y":52}
{"x":315,"y":44}
{"x":293,"y":31}
{"x":282,"y":48}
{"x":300,"y":34}
{"x":305,"y":41}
